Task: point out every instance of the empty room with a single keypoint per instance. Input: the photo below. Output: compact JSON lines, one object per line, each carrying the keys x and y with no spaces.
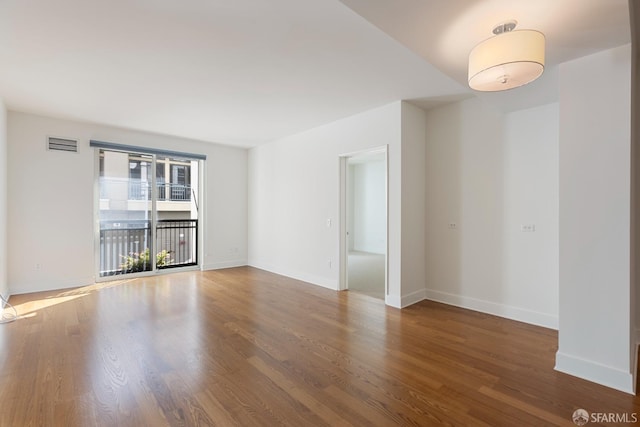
{"x":319,"y":213}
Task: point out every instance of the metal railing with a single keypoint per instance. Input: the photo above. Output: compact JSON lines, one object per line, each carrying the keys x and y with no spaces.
{"x":174,"y":192}
{"x":141,"y":190}
{"x":167,"y":191}
{"x":125,"y":245}
{"x":121,"y":241}
{"x":179,"y":238}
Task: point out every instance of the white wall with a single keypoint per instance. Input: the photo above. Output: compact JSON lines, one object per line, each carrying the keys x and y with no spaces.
{"x":4,"y":286}
{"x":50,"y":214}
{"x":294,"y":188}
{"x":369,"y":206}
{"x":414,"y":204}
{"x":596,"y":339}
{"x":489,"y":173}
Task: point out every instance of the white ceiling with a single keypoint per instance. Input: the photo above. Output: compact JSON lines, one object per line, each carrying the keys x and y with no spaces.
{"x":444,"y":32}
{"x":244,"y":72}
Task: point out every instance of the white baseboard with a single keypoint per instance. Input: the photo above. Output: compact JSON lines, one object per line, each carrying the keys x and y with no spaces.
{"x":45,"y":286}
{"x":413,"y":297}
{"x":405,"y":300}
{"x":225,"y":264}
{"x":393,"y":301}
{"x":595,"y":372}
{"x":509,"y":312}
{"x":304,"y":277}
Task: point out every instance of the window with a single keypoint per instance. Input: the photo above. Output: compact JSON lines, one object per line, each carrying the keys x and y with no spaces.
{"x":180,"y":182}
{"x":145,"y":224}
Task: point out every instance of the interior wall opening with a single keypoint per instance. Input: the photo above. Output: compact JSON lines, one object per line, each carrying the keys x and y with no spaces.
{"x":365,"y":211}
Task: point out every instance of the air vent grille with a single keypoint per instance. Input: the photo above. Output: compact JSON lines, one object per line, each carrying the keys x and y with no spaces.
{"x":62,"y":144}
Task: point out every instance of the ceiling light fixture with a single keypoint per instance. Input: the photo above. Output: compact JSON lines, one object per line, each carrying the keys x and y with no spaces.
{"x":507,"y":60}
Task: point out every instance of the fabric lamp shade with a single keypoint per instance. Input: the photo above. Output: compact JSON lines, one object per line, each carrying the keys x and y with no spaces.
{"x":506,"y":61}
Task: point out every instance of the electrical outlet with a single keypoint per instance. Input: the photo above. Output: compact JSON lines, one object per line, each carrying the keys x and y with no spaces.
{"x":329,"y":263}
{"x":528,"y":228}
{"x":453,"y":226}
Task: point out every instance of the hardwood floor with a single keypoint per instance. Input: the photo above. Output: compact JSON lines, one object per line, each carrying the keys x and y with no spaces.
{"x":246,"y":347}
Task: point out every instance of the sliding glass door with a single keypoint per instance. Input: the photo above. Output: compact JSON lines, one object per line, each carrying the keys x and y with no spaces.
{"x":148,"y":212}
{"x":176,"y":211}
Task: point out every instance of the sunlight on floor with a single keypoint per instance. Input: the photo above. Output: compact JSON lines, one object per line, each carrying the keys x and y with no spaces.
{"x":30,"y":308}
{"x":28,"y":305}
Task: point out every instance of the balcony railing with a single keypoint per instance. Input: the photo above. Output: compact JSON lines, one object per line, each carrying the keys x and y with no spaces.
{"x":141,"y":190}
{"x":125,"y":245}
{"x":179,"y":238}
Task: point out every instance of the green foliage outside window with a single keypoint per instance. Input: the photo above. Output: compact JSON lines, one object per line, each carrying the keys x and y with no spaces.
{"x":135,"y":262}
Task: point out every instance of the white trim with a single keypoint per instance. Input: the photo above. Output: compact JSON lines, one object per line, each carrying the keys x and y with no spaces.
{"x":405,"y":300}
{"x":201,"y":212}
{"x":413,"y":297}
{"x":154,"y":213}
{"x":595,"y":372}
{"x":393,"y":301}
{"x":225,"y":264}
{"x":59,"y":285}
{"x":343,"y":241}
{"x":304,"y":277}
{"x":96,"y":212}
{"x":342,"y":283}
{"x":502,"y":310}
{"x":366,"y":151}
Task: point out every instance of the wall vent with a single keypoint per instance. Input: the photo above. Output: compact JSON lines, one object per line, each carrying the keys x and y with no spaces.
{"x":62,"y":144}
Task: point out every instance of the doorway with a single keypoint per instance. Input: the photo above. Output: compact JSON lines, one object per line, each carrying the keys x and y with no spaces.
{"x":364,"y":215}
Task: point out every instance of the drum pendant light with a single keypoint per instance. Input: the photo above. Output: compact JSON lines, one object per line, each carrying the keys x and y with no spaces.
{"x":507,"y":60}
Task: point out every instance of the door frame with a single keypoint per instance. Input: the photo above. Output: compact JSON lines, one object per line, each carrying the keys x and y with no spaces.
{"x":343,"y":280}
{"x":201,"y":207}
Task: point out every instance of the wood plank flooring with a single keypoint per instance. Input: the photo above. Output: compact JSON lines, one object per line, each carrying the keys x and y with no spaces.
{"x":250,"y":348}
